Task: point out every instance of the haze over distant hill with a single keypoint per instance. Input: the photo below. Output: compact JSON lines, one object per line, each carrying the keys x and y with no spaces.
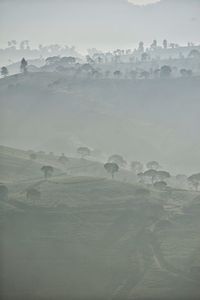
{"x":103,"y":24}
{"x":142,"y":120}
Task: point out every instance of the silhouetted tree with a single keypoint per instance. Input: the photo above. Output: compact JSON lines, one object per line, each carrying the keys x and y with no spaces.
{"x":144,"y":74}
{"x":185,"y":73}
{"x":111,"y":168}
{"x":96,"y":74}
{"x":23,"y":66}
{"x":195,"y":180}
{"x":144,"y":56}
{"x":86,"y":69}
{"x":141,"y":47}
{"x":154,"y":45}
{"x":160,"y":185}
{"x":165,"y":44}
{"x":141,"y":177}
{"x":117,"y":74}
{"x":118,"y":159}
{"x":48,"y":171}
{"x":163,"y":175}
{"x":165,"y":71}
{"x":84,"y":151}
{"x":151,"y":174}
{"x":4,"y":71}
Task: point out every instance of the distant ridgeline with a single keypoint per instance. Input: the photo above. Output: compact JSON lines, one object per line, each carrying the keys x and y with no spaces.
{"x":140,"y":62}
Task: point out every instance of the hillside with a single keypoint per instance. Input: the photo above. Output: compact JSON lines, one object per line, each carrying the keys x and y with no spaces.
{"x":132,"y":241}
{"x":99,"y":150}
{"x":50,"y":111}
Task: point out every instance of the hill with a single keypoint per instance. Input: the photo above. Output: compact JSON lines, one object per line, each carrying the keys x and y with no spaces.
{"x":132,"y":241}
{"x":50,"y":111}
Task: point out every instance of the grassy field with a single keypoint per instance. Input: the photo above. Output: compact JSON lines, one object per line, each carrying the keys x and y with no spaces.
{"x":89,"y":237}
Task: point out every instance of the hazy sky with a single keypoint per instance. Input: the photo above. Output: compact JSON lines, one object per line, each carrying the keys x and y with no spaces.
{"x":143,"y":2}
{"x":104,"y":24}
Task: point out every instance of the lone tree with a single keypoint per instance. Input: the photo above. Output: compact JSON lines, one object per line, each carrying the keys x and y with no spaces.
{"x":141,"y":47}
{"x":141,"y":177}
{"x":144,"y":56}
{"x":186,"y":73}
{"x":63,"y":159}
{"x":84,"y":151}
{"x":165,"y":44}
{"x":160,"y":185}
{"x":144,"y":74}
{"x":117,"y":74}
{"x":87,"y":68}
{"x":154,"y":45}
{"x":111,"y":168}
{"x":48,"y":171}
{"x":163,"y":175}
{"x":165,"y":71}
{"x":23,"y":66}
{"x":151,"y":174}
{"x":153,"y":165}
{"x":3,"y":192}
{"x":136,"y":167}
{"x":194,"y":180}
{"x":118,"y":159}
{"x":4,"y":71}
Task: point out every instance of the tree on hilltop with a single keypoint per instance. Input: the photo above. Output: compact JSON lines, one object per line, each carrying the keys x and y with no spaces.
{"x":23,"y":66}
{"x":111,"y":168}
{"x":4,"y":71}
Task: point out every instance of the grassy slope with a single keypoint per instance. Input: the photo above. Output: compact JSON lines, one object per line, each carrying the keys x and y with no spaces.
{"x":148,"y":116}
{"x":103,"y":228}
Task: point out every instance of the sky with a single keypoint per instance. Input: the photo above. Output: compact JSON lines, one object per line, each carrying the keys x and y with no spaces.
{"x":143,"y":2}
{"x":103,"y":24}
